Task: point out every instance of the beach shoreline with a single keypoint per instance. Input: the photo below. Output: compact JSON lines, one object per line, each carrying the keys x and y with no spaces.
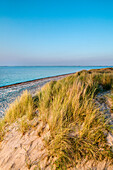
{"x":10,"y":92}
{"x":35,"y":80}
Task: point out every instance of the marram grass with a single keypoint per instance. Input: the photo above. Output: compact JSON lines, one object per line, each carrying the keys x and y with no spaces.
{"x":21,"y":106}
{"x":78,"y":129}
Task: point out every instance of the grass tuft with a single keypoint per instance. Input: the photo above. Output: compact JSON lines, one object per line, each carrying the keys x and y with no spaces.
{"x":21,"y":106}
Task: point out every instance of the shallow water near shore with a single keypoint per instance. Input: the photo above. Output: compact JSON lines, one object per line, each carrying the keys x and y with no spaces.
{"x":11,"y":75}
{"x":16,"y":74}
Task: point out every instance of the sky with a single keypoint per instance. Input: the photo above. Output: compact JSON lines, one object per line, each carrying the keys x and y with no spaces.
{"x":56,"y":32}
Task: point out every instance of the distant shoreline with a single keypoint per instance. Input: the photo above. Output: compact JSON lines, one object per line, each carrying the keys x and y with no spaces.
{"x":35,"y":80}
{"x":24,"y":75}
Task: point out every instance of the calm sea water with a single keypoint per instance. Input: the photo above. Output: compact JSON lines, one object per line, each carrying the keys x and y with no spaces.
{"x":11,"y":75}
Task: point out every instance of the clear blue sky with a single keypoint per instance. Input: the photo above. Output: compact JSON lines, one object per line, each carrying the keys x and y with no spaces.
{"x":56,"y":32}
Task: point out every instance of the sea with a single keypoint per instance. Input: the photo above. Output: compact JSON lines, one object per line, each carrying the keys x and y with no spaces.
{"x":16,"y":74}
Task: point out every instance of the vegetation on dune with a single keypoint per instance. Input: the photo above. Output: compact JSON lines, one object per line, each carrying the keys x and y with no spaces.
{"x":77,"y":126}
{"x":22,"y":107}
{"x":78,"y":129}
{"x":111,"y":102}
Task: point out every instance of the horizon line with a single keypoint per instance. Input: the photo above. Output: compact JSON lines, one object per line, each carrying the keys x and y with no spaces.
{"x":56,"y":66}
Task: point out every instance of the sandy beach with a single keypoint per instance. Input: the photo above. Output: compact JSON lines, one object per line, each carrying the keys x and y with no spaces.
{"x":64,"y":116}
